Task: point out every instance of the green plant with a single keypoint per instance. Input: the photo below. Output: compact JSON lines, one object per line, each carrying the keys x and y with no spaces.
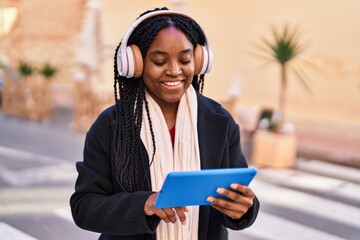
{"x":48,"y":70}
{"x":284,"y":48}
{"x":25,"y":69}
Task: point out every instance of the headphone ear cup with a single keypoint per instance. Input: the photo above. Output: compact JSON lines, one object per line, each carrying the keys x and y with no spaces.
{"x":121,"y":62}
{"x":202,"y":60}
{"x":136,"y":61}
{"x":199,"y":59}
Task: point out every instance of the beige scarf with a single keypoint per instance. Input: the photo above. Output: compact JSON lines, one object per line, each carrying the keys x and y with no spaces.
{"x":185,"y":156}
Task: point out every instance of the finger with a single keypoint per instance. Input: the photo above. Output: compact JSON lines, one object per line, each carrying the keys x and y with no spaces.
{"x":167,"y":215}
{"x":230,"y":213}
{"x":225,"y":204}
{"x":170,"y":214}
{"x":186,"y":209}
{"x":161,"y":214}
{"x":232,"y":209}
{"x":181,"y":214}
{"x":229,"y":207}
{"x":236,"y":196}
{"x":244,"y":190}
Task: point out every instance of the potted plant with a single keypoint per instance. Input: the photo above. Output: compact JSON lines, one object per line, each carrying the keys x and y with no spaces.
{"x":25,"y":69}
{"x":32,"y":100}
{"x":48,"y":70}
{"x":275,"y":145}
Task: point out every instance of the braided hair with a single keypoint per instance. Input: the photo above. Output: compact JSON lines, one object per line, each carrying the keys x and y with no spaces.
{"x":130,"y":97}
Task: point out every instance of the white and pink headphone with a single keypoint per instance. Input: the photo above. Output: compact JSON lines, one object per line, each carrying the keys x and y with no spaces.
{"x":130,"y":61}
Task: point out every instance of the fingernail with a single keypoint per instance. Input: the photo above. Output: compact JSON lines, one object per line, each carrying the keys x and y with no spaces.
{"x":183,"y":222}
{"x":210,"y":199}
{"x":233,"y":186}
{"x":220,"y":190}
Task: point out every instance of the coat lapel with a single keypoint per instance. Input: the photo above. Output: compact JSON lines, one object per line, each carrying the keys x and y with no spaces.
{"x":212,"y":130}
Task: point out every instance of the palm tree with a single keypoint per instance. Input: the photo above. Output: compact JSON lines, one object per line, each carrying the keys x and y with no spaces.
{"x":284,"y":48}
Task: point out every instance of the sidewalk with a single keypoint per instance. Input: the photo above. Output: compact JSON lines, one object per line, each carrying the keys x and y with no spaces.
{"x":320,"y":178}
{"x":335,"y":148}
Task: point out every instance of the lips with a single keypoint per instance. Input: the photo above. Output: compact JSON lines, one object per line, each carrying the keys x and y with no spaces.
{"x":172,"y":83}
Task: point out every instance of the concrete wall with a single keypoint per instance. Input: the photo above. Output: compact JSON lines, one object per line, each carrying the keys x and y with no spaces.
{"x":330,"y":28}
{"x":46,"y":31}
{"x":49,"y":30}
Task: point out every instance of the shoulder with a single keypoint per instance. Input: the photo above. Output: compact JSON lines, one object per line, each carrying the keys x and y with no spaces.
{"x":108,"y":113}
{"x":104,"y":121}
{"x":209,"y":105}
{"x":212,"y":114}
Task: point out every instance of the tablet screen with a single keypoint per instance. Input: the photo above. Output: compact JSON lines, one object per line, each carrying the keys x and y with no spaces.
{"x":194,"y":187}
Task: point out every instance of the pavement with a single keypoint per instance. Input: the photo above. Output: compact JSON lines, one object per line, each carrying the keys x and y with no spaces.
{"x":317,"y":199}
{"x":339,"y":147}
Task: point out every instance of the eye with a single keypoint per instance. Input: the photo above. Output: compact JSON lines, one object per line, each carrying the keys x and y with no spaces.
{"x":186,"y":58}
{"x":159,"y":64}
{"x":187,"y":61}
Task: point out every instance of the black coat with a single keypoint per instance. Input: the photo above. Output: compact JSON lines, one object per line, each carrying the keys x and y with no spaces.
{"x":99,"y":204}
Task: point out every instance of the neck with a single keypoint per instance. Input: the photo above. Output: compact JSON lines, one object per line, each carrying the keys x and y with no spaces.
{"x":170,"y":111}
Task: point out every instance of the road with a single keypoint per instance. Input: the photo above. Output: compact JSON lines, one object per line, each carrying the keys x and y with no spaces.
{"x":315,"y":200}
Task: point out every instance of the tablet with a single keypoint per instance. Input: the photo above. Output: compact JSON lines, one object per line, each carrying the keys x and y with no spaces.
{"x":190,"y":188}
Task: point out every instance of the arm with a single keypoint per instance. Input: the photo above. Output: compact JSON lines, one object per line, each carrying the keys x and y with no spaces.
{"x":95,"y":204}
{"x":243,"y":211}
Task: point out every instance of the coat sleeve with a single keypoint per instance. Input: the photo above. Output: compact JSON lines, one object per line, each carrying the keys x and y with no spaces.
{"x":95,"y":205}
{"x":237,"y":159}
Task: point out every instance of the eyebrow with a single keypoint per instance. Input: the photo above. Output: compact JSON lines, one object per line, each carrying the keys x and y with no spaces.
{"x":155,"y":52}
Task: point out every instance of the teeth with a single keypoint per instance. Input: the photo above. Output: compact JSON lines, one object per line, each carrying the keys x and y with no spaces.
{"x":172,"y":83}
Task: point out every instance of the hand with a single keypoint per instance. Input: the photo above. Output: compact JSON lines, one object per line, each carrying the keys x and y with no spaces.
{"x":242,"y":196}
{"x":166,"y":214}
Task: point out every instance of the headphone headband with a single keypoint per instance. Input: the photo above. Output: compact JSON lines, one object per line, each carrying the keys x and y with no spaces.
{"x":125,"y":63}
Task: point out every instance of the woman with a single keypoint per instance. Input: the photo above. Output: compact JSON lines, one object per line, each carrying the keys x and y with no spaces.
{"x":159,"y":124}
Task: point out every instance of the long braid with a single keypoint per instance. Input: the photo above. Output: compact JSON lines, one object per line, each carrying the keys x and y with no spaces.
{"x":126,"y":137}
{"x":128,"y":157}
{"x":130,"y":99}
{"x":151,"y":130}
{"x":116,"y":136}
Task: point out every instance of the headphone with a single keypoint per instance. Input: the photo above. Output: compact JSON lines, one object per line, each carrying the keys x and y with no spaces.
{"x":130,"y":61}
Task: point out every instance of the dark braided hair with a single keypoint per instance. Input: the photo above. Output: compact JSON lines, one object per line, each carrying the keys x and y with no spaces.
{"x":130,"y":97}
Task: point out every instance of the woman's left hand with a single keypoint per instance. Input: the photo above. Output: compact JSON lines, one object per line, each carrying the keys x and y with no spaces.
{"x":242,"y":196}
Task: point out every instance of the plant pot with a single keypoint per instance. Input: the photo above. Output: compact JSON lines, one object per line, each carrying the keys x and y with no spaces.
{"x":27,"y":98}
{"x":274,"y":150}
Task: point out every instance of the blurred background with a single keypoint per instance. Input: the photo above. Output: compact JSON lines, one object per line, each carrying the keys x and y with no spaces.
{"x":56,"y":76}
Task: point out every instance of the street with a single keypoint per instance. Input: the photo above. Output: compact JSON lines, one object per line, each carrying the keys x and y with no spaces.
{"x":315,"y":200}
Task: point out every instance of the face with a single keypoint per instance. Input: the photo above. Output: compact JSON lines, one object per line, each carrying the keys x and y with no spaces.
{"x":169,"y":66}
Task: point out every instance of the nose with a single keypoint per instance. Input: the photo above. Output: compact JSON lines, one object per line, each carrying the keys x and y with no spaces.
{"x":173,"y":69}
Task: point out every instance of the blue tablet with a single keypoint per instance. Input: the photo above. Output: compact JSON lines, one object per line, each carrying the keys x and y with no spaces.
{"x":190,"y":188}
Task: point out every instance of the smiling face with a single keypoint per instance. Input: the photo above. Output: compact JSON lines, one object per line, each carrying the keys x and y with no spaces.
{"x":169,"y":67}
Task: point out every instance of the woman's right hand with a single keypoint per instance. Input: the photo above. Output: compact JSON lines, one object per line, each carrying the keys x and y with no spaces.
{"x":166,"y":214}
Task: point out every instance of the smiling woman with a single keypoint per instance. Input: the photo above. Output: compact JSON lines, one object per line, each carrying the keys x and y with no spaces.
{"x":160,"y":123}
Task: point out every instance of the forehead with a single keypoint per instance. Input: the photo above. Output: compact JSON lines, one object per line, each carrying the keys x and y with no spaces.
{"x":171,"y":37}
